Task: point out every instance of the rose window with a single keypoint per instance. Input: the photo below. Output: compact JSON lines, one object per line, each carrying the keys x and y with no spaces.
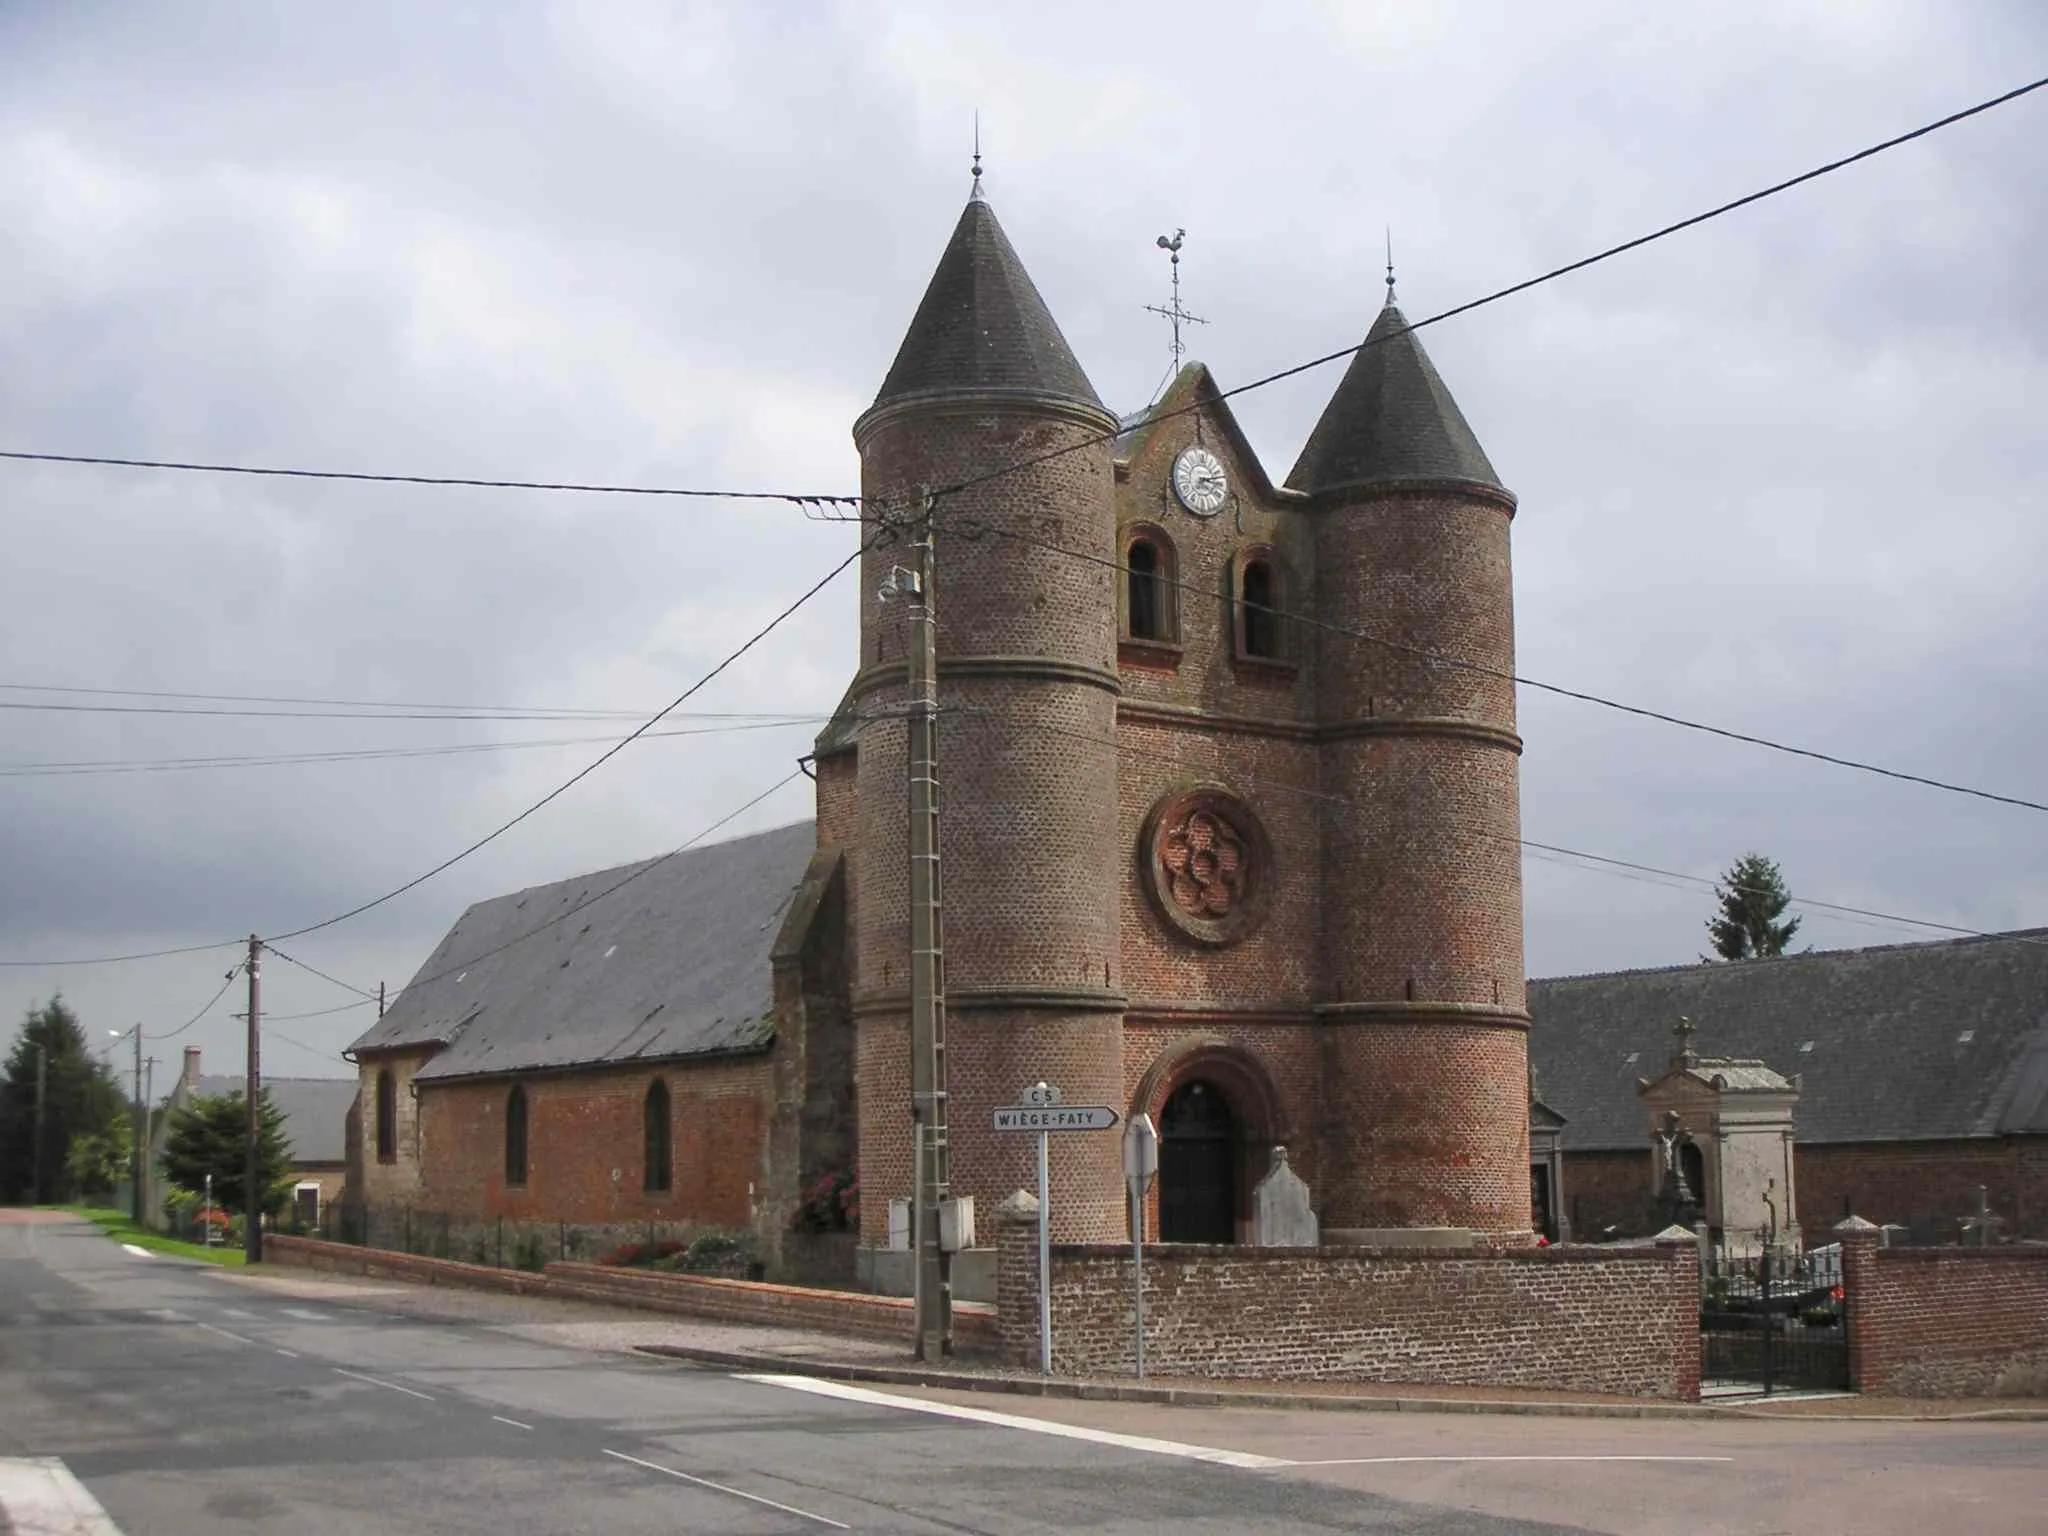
{"x":1206,"y":860}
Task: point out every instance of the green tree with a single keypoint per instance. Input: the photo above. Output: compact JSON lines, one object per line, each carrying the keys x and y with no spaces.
{"x":210,"y":1135}
{"x":99,"y":1160}
{"x":80,"y":1097}
{"x":1753,"y":898}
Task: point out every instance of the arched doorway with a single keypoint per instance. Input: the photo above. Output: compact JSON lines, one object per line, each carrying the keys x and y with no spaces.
{"x":1198,"y":1158}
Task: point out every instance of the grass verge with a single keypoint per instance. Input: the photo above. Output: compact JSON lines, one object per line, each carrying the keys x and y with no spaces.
{"x":118,"y":1226}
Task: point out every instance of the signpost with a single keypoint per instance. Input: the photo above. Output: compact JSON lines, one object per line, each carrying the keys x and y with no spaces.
{"x":1041,"y":1111}
{"x":1141,"y":1162}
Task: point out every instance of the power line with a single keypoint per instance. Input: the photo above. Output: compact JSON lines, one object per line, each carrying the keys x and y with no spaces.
{"x":589,"y":901}
{"x":793,"y":498}
{"x":1617,"y":866}
{"x":317,"y":1013}
{"x":203,"y":1012}
{"x":602,"y":758}
{"x":1526,"y":284}
{"x":504,"y":827}
{"x":369,"y":754}
{"x":346,"y":986}
{"x":516,"y":711}
{"x":280,"y":1035}
{"x":1441,"y":658}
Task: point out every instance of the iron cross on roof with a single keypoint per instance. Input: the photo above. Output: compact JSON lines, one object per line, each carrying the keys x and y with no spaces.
{"x":1171,"y":245}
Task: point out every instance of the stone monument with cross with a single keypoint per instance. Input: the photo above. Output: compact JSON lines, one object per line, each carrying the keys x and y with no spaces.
{"x":1720,"y":1133}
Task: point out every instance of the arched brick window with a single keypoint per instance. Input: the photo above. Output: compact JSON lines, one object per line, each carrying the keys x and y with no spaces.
{"x":658,"y":1161}
{"x":1258,"y":606}
{"x":515,"y":1138}
{"x":1148,"y":602}
{"x":387,"y":1117}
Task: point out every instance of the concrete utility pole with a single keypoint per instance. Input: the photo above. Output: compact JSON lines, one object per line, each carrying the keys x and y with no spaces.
{"x":252,"y":1213}
{"x":148,"y":1138}
{"x":380,"y":999}
{"x":42,"y":1094}
{"x":933,"y":1172}
{"x":135,"y":1136}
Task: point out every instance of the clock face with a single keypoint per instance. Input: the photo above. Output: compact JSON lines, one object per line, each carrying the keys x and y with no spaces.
{"x":1199,"y":481}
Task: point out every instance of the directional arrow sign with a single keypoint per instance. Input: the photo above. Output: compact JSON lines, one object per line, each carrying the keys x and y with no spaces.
{"x":1065,"y":1117}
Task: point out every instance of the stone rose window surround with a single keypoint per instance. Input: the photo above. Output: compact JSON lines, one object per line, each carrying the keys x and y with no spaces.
{"x":1207,"y":863}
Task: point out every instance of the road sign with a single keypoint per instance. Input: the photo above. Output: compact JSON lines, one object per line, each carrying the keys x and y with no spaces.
{"x":1061,"y":1118}
{"x":1040,"y":1096}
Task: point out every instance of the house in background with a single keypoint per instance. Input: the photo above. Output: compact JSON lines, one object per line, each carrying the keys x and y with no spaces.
{"x":1921,"y":1072}
{"x":318,"y":1115}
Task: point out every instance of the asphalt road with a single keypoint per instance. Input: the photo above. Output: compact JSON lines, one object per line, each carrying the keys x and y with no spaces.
{"x":185,"y":1400}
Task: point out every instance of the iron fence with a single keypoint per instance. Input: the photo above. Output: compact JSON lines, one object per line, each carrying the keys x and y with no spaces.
{"x":1774,"y":1320}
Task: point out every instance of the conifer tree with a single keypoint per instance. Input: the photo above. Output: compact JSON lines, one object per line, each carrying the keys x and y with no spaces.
{"x":1753,"y":898}
{"x":210,"y":1136}
{"x":80,"y":1098}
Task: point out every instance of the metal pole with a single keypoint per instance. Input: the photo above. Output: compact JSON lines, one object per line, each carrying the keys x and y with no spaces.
{"x":1138,"y":1267}
{"x":380,"y":999}
{"x":135,"y":1137}
{"x":252,"y":1212}
{"x":42,"y":1094}
{"x":1044,"y":1257}
{"x":934,"y":1309}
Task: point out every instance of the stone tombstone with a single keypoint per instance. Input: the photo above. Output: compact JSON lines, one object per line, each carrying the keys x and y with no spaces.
{"x":1281,"y":1217}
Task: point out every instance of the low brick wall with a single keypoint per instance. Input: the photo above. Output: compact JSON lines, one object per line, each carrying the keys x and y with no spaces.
{"x":1945,"y":1322}
{"x":733,"y":1301}
{"x":1622,"y":1321}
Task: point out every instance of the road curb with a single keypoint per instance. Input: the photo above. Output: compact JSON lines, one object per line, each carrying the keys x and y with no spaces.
{"x":1202,"y":1397}
{"x":1134,"y":1392}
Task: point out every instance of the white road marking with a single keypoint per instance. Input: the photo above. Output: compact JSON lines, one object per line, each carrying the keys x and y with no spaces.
{"x":288,"y":1354}
{"x":376,"y":1382}
{"x":307,"y":1314}
{"x":513,"y":1422}
{"x":238,"y":1338}
{"x":246,"y":1317}
{"x":140,"y":1253}
{"x":751,"y":1498}
{"x":166,"y":1315}
{"x":850,"y":1394}
{"x":40,"y":1497}
{"x":1405,"y":1461}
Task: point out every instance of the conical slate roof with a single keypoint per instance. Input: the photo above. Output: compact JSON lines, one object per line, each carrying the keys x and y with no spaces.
{"x":982,"y":328}
{"x":1391,"y":419}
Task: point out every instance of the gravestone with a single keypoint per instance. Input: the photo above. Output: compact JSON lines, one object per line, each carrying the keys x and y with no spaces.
{"x":1281,"y":1217}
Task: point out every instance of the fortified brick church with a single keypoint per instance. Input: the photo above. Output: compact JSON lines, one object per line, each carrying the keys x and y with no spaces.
{"x":1208,"y":850}
{"x":1229,"y":836}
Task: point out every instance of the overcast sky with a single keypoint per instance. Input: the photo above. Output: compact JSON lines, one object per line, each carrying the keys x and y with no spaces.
{"x":1781,"y":473}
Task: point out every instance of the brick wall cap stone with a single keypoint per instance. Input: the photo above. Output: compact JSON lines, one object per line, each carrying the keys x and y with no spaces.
{"x":1673,"y":1235}
{"x":1020,"y":1207}
{"x":1856,"y":1226}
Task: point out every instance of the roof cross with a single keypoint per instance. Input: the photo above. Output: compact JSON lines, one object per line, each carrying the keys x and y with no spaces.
{"x":1683,"y":1031}
{"x":1171,"y":245}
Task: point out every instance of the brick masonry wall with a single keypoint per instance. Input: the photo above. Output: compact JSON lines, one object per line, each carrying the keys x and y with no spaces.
{"x":742,"y":1301}
{"x":585,"y":1146}
{"x":1889,"y":1183}
{"x":1029,"y":849}
{"x":1925,"y":1181}
{"x":1946,"y":1322}
{"x":1576,"y":1319}
{"x":1611,"y":1189}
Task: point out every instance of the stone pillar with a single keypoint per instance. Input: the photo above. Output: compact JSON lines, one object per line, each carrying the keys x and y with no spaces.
{"x":1859,"y":1280}
{"x":1017,"y":1278}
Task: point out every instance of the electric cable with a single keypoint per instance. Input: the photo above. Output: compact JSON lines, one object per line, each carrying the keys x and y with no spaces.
{"x":346,"y":986}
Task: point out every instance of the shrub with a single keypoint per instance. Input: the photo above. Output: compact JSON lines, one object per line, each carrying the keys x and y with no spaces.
{"x":832,"y":1204}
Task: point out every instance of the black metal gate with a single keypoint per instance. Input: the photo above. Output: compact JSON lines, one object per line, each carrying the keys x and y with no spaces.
{"x":1775,"y":1322}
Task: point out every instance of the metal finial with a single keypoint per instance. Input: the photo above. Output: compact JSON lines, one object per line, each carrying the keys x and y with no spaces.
{"x":977,"y":153}
{"x":1171,"y":244}
{"x":1390,"y":263}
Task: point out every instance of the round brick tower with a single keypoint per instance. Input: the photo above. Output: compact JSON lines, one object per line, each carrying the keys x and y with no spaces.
{"x":1029,"y":855}
{"x":1424,"y":1028}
